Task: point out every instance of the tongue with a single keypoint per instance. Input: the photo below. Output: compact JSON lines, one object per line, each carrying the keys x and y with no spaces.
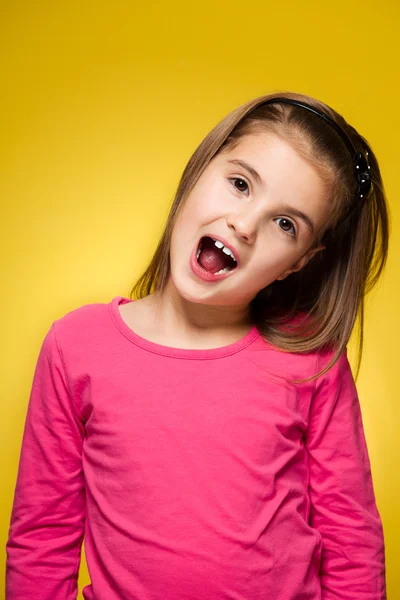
{"x":211,"y":258}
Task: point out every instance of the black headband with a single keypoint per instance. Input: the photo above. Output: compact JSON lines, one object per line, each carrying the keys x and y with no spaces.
{"x":360,"y":161}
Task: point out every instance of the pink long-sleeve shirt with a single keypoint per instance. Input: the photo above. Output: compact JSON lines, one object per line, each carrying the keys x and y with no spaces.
{"x":191,"y":474}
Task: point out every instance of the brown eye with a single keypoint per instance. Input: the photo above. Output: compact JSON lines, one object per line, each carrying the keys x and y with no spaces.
{"x":286,"y":226}
{"x":242,"y":183}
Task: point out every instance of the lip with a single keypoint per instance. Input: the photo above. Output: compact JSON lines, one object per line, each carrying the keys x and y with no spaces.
{"x":202,"y":273}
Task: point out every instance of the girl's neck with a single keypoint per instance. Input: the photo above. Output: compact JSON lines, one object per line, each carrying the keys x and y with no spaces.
{"x":172,"y":307}
{"x":173,"y":315}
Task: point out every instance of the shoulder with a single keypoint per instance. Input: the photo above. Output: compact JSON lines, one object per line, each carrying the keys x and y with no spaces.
{"x":84,"y":316}
{"x":84,"y":328}
{"x":322,"y":356}
{"x":302,"y":364}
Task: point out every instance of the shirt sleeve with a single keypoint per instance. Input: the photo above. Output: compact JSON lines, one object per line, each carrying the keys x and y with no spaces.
{"x":47,"y":519}
{"x":342,"y":500}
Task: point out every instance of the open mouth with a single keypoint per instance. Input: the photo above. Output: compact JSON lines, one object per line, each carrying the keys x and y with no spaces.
{"x":214,"y":257}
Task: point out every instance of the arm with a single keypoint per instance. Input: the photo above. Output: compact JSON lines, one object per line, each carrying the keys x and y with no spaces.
{"x":343,"y":507}
{"x":47,"y":520}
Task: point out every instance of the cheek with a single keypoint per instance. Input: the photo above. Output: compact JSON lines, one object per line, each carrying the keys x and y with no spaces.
{"x":272,"y":259}
{"x":206,"y":203}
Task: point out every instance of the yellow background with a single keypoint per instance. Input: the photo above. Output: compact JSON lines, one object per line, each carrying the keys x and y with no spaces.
{"x":101,"y":107}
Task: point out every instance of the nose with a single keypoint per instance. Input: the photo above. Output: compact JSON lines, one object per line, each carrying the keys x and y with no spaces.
{"x":244,"y":225}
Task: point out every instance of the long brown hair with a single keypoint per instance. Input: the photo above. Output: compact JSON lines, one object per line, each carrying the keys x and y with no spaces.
{"x":329,"y":291}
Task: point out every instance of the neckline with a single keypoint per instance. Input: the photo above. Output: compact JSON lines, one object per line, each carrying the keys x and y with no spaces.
{"x":192,"y":353}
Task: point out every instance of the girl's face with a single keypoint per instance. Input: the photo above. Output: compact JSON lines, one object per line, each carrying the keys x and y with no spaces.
{"x":265,"y":203}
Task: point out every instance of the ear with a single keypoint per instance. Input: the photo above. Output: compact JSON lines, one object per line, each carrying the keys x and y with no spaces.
{"x":301,"y":262}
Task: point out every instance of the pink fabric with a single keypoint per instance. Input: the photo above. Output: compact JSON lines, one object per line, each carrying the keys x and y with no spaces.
{"x":192,"y":474}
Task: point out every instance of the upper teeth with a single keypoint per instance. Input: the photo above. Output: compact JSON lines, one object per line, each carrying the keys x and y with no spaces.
{"x":225,"y":249}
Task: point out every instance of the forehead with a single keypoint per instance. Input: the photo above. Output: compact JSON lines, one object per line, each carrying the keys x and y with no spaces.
{"x":287,"y":177}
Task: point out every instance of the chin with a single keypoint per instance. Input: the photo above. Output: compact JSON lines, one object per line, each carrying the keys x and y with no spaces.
{"x":191,"y":292}
{"x":197,"y":293}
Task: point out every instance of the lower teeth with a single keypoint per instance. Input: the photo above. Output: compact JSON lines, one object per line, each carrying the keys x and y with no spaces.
{"x":222,"y":271}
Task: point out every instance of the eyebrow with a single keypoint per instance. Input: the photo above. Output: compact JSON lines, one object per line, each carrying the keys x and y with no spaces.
{"x":286,"y":207}
{"x":249,"y":168}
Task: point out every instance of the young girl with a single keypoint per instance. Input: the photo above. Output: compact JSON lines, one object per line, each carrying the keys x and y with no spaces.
{"x":206,"y":438}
